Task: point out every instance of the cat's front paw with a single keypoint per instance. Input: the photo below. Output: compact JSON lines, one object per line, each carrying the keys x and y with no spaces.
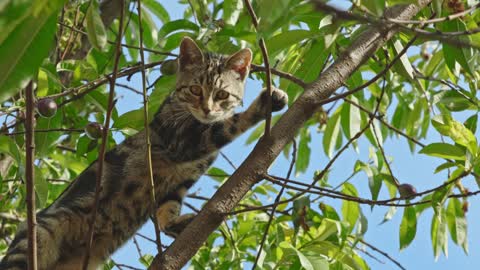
{"x":279,"y":99}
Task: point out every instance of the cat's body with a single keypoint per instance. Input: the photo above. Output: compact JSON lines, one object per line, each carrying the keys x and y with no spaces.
{"x":186,"y":133}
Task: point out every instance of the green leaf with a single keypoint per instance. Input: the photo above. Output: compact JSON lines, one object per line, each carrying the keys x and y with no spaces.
{"x":389,"y":215}
{"x":157,"y":9}
{"x":232,"y":10}
{"x":457,"y":223}
{"x":327,"y":228}
{"x":350,"y":119}
{"x":447,"y":126}
{"x":444,"y":150}
{"x":329,"y":212}
{"x":457,"y":101}
{"x":97,"y":35}
{"x":330,"y":136}
{"x":454,"y":54}
{"x":307,"y":67}
{"x":440,"y":195}
{"x":146,"y":260}
{"x":444,"y":166}
{"x":403,"y":66}
{"x":471,"y":123}
{"x":375,"y":6}
{"x":217,"y":174}
{"x":438,"y":233}
{"x":286,"y":39}
{"x":45,"y":141}
{"x":41,"y":188}
{"x":23,"y":51}
{"x":172,"y":26}
{"x":8,"y":146}
{"x":350,"y":209}
{"x":303,"y":154}
{"x":408,"y":227}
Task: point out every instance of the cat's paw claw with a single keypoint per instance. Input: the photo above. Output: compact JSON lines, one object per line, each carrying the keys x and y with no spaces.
{"x":279,"y":99}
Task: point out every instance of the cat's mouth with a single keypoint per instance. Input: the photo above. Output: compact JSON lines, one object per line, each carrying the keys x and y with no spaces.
{"x":206,"y":118}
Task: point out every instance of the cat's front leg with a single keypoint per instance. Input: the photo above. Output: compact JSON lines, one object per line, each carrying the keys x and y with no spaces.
{"x":258,"y":110}
{"x":220,"y":134}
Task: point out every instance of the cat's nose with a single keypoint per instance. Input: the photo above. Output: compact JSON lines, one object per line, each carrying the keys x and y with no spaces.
{"x":206,"y":110}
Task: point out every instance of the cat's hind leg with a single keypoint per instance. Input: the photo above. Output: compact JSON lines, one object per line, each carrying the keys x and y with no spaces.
{"x":47,"y":250}
{"x":168,"y":214}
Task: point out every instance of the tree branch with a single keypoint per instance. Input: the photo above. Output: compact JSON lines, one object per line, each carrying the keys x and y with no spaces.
{"x":268,"y":73}
{"x":101,"y":155}
{"x":268,"y":148}
{"x":29,"y":177}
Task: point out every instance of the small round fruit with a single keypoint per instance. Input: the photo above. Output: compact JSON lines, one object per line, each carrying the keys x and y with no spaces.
{"x":169,"y":67}
{"x":407,"y":190}
{"x":94,"y":130}
{"x":47,"y":107}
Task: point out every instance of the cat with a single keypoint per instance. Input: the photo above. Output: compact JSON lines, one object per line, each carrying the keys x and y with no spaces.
{"x":192,"y":124}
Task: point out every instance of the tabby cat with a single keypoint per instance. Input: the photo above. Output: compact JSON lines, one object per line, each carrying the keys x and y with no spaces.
{"x":188,"y":130}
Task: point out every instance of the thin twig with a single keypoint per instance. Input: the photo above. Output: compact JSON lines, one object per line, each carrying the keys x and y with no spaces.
{"x":101,"y":155}
{"x":146,"y":127}
{"x":46,"y":130}
{"x":59,"y":37}
{"x":30,"y":176}
{"x":268,"y":74}
{"x":383,"y":253}
{"x":128,"y":87}
{"x":279,"y":73}
{"x":277,"y":199}
{"x":73,"y":34}
{"x":137,"y":246}
{"x":436,"y":20}
{"x":228,"y":160}
{"x":379,"y":143}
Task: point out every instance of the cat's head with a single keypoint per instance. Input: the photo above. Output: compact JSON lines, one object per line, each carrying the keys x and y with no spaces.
{"x":211,"y":86}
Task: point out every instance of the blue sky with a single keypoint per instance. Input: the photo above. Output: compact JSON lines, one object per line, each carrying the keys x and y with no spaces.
{"x":408,"y":167}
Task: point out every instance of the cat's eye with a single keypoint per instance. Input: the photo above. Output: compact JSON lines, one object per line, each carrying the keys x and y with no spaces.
{"x":196,"y":90}
{"x":221,"y":95}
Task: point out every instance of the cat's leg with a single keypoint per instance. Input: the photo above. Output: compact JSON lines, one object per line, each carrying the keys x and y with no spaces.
{"x":222,"y":133}
{"x":47,"y":248}
{"x":168,"y":214}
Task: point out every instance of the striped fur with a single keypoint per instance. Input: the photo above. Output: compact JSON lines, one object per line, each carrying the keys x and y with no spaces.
{"x":186,"y":134}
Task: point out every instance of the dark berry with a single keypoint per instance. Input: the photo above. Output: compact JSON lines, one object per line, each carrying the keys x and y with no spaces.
{"x":47,"y":107}
{"x":94,"y":130}
{"x":407,"y":190}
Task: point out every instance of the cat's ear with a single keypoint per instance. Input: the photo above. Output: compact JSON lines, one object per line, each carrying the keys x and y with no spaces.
{"x":240,"y":62}
{"x":190,"y":54}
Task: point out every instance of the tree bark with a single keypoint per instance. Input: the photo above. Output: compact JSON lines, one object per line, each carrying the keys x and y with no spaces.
{"x":267,"y":149}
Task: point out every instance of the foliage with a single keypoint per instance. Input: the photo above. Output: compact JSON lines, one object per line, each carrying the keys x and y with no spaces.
{"x":429,"y":94}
